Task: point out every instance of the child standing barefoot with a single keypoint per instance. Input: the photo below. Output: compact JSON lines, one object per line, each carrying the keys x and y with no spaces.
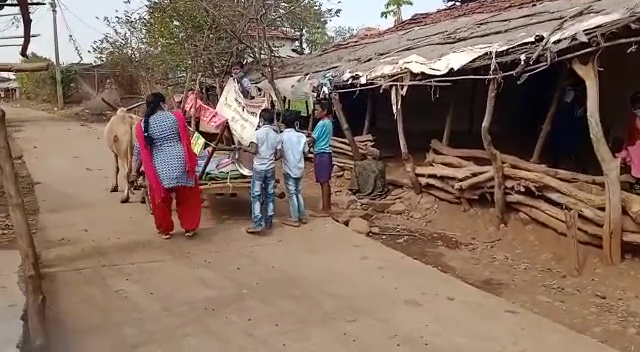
{"x":294,"y":148}
{"x":323,"y":159}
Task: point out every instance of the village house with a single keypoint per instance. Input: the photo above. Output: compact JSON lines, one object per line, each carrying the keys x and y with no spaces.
{"x":467,"y":98}
{"x":9,"y":89}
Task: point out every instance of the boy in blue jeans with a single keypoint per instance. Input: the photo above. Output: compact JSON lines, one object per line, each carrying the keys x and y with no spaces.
{"x":294,"y":148}
{"x":266,"y":150}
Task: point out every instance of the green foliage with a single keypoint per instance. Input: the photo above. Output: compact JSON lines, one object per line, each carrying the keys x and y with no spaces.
{"x":172,"y":37}
{"x":393,"y":8}
{"x":41,"y":86}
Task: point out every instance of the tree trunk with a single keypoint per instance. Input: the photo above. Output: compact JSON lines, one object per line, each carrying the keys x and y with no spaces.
{"x":494,"y":155}
{"x":612,"y":238}
{"x":406,"y":157}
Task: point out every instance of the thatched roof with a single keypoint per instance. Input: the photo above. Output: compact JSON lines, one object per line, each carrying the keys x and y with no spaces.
{"x":474,"y":34}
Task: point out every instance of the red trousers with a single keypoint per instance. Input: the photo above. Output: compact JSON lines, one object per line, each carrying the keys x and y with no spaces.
{"x":188,"y":206}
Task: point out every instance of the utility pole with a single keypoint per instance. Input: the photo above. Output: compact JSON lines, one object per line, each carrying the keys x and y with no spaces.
{"x":54,"y":11}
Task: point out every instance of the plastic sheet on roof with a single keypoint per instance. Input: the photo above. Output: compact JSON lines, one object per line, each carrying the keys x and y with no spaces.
{"x":439,"y":48}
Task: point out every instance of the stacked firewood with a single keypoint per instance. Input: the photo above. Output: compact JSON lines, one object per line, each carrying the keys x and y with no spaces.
{"x":341,"y":150}
{"x":540,"y":192}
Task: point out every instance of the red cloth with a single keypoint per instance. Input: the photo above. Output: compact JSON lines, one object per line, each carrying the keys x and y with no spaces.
{"x":633,"y":132}
{"x":156,"y":190}
{"x":630,"y":153}
{"x":188,"y":206}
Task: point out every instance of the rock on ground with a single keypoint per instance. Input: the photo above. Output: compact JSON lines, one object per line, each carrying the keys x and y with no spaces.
{"x":359,"y":225}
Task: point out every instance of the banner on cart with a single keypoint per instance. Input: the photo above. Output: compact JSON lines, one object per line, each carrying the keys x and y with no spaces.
{"x":197,"y":143}
{"x":241,"y":114}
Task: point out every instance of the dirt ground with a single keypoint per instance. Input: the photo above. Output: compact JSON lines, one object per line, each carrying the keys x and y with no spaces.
{"x":523,"y":262}
{"x":7,"y":236}
{"x":111,"y":285}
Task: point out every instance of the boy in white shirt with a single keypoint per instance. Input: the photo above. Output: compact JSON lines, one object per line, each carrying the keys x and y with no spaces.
{"x":294,"y":148}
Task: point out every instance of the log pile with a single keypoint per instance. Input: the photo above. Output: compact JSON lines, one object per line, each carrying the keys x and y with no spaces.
{"x":342,"y":154}
{"x":540,"y":192}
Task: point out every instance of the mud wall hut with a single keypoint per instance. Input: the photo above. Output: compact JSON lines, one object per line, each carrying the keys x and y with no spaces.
{"x":470,"y":93}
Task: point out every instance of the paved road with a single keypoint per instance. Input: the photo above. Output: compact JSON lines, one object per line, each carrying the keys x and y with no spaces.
{"x":113,"y":286}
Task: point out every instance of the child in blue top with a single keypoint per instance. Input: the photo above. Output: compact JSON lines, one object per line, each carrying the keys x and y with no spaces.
{"x":323,"y":159}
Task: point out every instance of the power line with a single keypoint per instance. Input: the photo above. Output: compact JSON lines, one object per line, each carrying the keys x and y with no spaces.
{"x":72,"y":38}
{"x":78,"y":18}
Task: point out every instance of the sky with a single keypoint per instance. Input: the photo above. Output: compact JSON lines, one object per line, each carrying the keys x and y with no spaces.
{"x":82,"y":19}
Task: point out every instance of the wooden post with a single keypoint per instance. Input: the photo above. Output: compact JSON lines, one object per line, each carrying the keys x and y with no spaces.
{"x":196,"y":93}
{"x":571,"y":219}
{"x":310,"y":113}
{"x":406,"y":157}
{"x":369,"y":116}
{"x":548,"y":121}
{"x":447,"y":125}
{"x":59,"y":91}
{"x":186,"y":90}
{"x":95,"y":80}
{"x":494,"y":155}
{"x":219,"y":139}
{"x":26,"y":245}
{"x":337,"y":107}
{"x":612,"y":231}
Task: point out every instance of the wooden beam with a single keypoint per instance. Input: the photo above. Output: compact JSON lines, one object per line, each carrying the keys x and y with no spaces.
{"x":337,"y":107}
{"x":26,"y":244}
{"x":29,"y":3}
{"x":409,"y":165}
{"x":548,"y":121}
{"x":19,"y":36}
{"x":369,"y":116}
{"x":494,"y":155}
{"x":25,"y":67}
{"x":612,"y":234}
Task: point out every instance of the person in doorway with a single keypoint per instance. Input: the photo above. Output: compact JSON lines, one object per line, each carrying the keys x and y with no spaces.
{"x":294,"y":148}
{"x":163,"y":149}
{"x":570,"y":123}
{"x":266,"y":150}
{"x":630,"y":154}
{"x":322,"y":157}
{"x":237,"y":71}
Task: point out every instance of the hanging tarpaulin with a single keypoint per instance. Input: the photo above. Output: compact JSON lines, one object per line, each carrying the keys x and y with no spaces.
{"x":241,"y":114}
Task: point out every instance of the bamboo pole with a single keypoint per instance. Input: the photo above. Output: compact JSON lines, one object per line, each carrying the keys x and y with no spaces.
{"x":548,"y":121}
{"x":26,"y":244}
{"x":494,"y":155}
{"x":337,"y":106}
{"x":409,"y":166}
{"x":612,"y":232}
{"x":369,"y":116}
